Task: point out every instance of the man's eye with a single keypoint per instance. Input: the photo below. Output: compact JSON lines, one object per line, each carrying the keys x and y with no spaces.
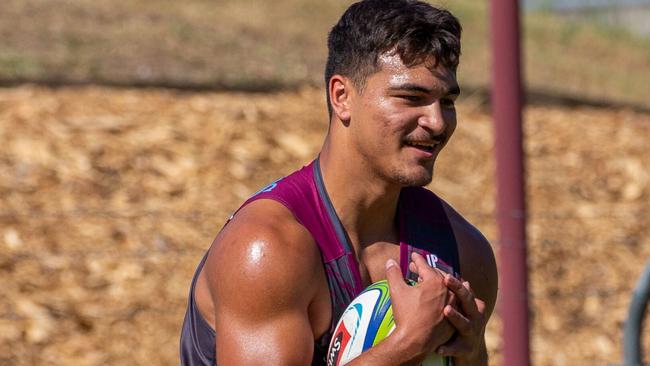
{"x":411,"y":98}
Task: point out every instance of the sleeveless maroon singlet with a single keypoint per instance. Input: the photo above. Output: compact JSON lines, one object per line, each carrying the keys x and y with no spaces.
{"x":423,"y":226}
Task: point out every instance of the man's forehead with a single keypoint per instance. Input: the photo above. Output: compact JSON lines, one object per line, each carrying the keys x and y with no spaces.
{"x":425,"y":73}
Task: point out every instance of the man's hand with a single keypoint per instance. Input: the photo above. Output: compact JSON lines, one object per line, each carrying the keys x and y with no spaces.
{"x":418,"y":310}
{"x":468,"y":347}
{"x":420,"y":325}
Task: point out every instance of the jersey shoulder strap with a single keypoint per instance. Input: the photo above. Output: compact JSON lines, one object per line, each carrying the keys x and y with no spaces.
{"x":299,"y":193}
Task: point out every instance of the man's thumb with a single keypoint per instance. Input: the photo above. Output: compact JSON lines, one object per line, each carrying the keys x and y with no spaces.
{"x":394,"y":276}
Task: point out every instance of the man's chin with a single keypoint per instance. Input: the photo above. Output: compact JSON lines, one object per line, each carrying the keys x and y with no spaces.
{"x":418,"y":182}
{"x":415,"y":179}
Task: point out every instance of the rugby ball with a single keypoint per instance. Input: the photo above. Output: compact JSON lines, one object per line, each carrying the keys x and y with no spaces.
{"x":364,"y":323}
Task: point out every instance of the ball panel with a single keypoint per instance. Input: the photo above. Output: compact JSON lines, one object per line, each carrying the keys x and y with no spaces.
{"x":355,"y":323}
{"x":386,"y":328}
{"x":379,"y":313}
{"x":366,"y":322}
{"x":435,"y":360}
{"x":339,"y":342}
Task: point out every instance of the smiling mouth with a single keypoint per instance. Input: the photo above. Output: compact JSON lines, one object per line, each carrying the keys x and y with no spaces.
{"x":427,"y":146}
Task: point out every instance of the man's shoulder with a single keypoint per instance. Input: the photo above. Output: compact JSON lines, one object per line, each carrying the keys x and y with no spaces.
{"x":469,"y":237}
{"x":421,"y":197}
{"x":268,"y":221}
{"x":477,"y":261}
{"x":264,"y":243}
{"x":464,"y":229}
{"x":296,"y":183}
{"x":262,"y":267}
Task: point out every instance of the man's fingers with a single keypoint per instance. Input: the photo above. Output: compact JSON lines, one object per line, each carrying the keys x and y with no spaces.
{"x":451,"y":299}
{"x":480,"y":305}
{"x":413,"y":267}
{"x":465,"y":296}
{"x":423,"y":269}
{"x":454,"y":348}
{"x":467,"y":286}
{"x":458,"y":320}
{"x":394,"y":276}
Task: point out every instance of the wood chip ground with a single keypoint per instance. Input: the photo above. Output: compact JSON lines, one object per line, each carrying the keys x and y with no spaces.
{"x":109,"y":197}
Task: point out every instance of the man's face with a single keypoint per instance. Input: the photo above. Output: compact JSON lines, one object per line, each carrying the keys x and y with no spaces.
{"x":403,"y":118}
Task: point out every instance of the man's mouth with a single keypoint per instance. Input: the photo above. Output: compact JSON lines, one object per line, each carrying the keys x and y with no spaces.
{"x":427,"y":146}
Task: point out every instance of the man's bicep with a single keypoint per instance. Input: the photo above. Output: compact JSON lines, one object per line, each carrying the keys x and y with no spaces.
{"x":261,"y":277}
{"x":262,"y":319}
{"x":285,"y":338}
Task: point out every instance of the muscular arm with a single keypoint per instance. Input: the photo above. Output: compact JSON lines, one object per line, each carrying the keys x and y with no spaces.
{"x":417,"y":333}
{"x":269,"y":290}
{"x":262,"y":274}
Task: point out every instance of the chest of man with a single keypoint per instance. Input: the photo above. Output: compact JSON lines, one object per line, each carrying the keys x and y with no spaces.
{"x":371,"y":262}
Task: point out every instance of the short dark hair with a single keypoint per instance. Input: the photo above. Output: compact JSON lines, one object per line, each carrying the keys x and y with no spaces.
{"x":412,"y":29}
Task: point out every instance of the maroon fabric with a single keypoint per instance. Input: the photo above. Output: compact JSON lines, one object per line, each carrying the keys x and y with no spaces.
{"x":424,"y":227}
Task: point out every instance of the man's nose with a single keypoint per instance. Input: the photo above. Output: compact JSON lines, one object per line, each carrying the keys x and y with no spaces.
{"x":432,"y":118}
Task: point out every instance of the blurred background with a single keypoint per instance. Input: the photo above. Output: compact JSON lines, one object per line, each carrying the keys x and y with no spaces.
{"x":129,"y":131}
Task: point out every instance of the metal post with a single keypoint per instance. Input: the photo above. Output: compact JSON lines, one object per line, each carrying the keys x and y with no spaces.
{"x":511,"y":209}
{"x":632,"y":352}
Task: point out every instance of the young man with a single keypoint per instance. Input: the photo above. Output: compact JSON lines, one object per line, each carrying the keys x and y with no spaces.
{"x":280,"y":273}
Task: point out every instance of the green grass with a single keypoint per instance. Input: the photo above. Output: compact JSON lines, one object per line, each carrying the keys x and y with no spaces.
{"x":245,"y":44}
{"x":586,"y":59}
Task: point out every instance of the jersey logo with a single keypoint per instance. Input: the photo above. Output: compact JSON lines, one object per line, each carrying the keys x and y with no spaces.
{"x":340,"y":342}
{"x":343,"y":337}
{"x":268,"y":188}
{"x":435,"y":262}
{"x":432,"y":259}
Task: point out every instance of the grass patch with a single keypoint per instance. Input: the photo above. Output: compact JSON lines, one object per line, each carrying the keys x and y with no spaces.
{"x":233,"y":43}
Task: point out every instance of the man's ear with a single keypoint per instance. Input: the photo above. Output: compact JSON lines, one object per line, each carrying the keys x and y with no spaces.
{"x":340,"y":91}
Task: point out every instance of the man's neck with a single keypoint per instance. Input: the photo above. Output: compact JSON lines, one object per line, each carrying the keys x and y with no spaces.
{"x":365,"y":203}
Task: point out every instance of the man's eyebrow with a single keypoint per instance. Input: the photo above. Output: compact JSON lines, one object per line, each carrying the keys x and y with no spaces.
{"x":410,"y":87}
{"x":454,"y":90}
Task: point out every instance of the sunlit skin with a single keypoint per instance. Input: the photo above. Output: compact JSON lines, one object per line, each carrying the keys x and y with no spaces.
{"x":367,"y":144}
{"x":398,"y":105}
{"x":263,"y":287}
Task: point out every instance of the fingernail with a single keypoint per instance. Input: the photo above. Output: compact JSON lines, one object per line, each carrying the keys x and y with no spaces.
{"x":390,"y":263}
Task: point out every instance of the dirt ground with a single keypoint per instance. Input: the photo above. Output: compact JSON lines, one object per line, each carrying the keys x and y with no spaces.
{"x":109,"y":197}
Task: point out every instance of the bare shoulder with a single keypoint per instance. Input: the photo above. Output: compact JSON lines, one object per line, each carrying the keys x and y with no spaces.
{"x":263,"y":253}
{"x":477,"y":261}
{"x":263,"y":272}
